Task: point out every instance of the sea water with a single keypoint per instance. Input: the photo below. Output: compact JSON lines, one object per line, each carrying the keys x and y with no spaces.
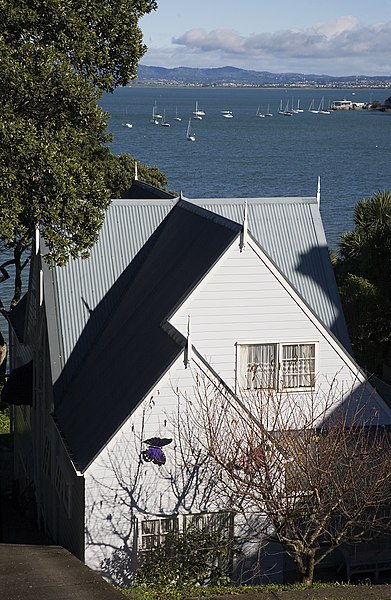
{"x":250,"y":156}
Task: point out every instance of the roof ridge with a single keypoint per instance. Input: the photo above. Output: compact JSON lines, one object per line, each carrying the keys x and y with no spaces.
{"x":207,"y":214}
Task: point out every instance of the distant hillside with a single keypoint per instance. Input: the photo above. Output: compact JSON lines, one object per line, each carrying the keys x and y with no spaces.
{"x":235,"y":76}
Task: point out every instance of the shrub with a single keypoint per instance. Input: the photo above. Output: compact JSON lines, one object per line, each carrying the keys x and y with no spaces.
{"x":195,"y":557}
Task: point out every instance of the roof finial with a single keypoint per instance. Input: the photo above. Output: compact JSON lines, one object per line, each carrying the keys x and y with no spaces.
{"x":37,"y":239}
{"x":244,"y":234}
{"x":135,"y":171}
{"x":188,"y":349}
{"x":318,"y":192}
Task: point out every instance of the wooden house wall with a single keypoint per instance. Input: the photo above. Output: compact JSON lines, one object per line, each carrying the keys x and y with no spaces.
{"x":120,"y":489}
{"x":243,"y":300}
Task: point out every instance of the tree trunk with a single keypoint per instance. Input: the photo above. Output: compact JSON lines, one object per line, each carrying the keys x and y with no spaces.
{"x":3,"y":355}
{"x":18,"y":250}
{"x":308,"y":574}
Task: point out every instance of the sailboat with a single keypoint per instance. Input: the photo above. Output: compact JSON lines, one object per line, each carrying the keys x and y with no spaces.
{"x":154,"y":119}
{"x":176,"y":115}
{"x":298,"y":109}
{"x":322,"y":109}
{"x":258,"y":113}
{"x":228,"y":114}
{"x":156,"y":112}
{"x":164,"y":123}
{"x":189,"y":136}
{"x":293,"y":110}
{"x":198,"y":114}
{"x":287,"y":112}
{"x":281,"y":110}
{"x":311,"y":108}
{"x":268,"y":113}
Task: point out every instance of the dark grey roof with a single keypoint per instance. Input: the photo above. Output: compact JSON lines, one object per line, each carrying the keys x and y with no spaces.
{"x":142,"y":190}
{"x":128,"y":348}
{"x":93,"y":315}
{"x":288,"y":229}
{"x":17,"y":317}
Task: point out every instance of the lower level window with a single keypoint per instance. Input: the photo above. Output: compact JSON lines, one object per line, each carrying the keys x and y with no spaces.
{"x":152,"y":532}
{"x":276,"y":366}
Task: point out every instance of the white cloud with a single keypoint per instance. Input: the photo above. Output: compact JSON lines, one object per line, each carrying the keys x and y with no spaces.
{"x":219,"y":39}
{"x":340,"y":25}
{"x":342,"y":44}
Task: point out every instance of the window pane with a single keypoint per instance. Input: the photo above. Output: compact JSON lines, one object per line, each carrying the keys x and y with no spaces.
{"x":169,"y":525}
{"x":298,"y":365}
{"x":257,"y":366}
{"x":149,"y":527}
{"x":220,"y":523}
{"x":150,"y":534}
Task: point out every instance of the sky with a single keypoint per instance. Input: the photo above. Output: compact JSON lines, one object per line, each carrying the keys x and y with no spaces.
{"x":332,"y":37}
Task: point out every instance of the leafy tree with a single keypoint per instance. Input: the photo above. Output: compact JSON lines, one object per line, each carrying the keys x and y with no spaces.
{"x":120,"y":174}
{"x":56,"y":172}
{"x":363,"y":272}
{"x":368,"y":314}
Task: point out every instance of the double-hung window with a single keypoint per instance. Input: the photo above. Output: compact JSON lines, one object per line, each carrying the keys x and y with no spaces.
{"x":153,"y":532}
{"x":298,"y":366}
{"x":276,"y":366}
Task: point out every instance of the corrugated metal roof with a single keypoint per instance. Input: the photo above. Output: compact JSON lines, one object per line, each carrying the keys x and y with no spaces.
{"x":131,"y":351}
{"x":83,"y":284}
{"x":92,"y":295}
{"x":288,"y":229}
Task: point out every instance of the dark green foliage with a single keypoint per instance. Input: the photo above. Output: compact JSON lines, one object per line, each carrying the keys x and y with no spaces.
{"x":100,"y":39}
{"x":366,"y":251}
{"x":364,"y":274}
{"x":119,"y":568}
{"x":368,"y":314}
{"x":4,"y":420}
{"x":120,"y":174}
{"x":193,"y":558}
{"x":58,"y":57}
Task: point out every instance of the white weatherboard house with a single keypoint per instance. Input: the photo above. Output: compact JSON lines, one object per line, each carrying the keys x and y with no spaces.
{"x":106,"y":352}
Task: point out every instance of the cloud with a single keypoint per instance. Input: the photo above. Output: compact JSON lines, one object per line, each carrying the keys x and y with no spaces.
{"x":219,"y":39}
{"x":343,"y":37}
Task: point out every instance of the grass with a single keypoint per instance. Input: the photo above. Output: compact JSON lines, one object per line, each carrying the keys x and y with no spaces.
{"x":4,"y":421}
{"x":6,"y":438}
{"x":144,"y":592}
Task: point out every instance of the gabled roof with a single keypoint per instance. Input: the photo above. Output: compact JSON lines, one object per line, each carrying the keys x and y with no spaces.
{"x":105,"y":313}
{"x":142,"y":190}
{"x":288,"y":229}
{"x":17,"y":317}
{"x":128,"y":349}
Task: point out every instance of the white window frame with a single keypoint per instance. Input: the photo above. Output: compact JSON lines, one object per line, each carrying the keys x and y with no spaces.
{"x":208,"y":521}
{"x":152,"y":532}
{"x":276,"y":379}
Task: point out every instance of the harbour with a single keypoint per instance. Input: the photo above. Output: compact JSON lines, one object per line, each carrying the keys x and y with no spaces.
{"x":248,"y":156}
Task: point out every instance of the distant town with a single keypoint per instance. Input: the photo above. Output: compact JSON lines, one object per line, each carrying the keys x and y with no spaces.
{"x":234,"y":77}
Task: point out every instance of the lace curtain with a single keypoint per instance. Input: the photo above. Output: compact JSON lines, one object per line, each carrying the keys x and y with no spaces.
{"x":259,"y":366}
{"x":298,"y":365}
{"x":258,"y":362}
